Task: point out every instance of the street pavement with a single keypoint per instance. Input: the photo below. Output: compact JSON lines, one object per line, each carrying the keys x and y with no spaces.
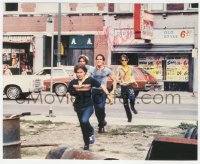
{"x":186,"y":98}
{"x":151,"y":96}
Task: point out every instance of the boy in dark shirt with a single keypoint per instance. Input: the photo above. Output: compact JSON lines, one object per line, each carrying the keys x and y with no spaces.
{"x":81,"y":88}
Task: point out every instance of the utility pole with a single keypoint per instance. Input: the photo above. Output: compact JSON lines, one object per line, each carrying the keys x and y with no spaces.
{"x":59,"y":35}
{"x":51,"y":21}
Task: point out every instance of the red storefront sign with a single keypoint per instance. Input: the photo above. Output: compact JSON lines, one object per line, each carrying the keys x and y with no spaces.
{"x":143,"y":23}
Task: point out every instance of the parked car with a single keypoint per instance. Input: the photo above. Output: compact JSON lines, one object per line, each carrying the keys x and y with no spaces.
{"x":61,"y":77}
{"x":144,"y":79}
{"x":21,"y":86}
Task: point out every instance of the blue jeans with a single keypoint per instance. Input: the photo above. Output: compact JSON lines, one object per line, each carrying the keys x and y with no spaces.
{"x":86,"y":128}
{"x":99,"y":101}
{"x":127,"y":93}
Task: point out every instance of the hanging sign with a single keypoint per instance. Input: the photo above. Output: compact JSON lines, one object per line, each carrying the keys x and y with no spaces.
{"x":143,"y":23}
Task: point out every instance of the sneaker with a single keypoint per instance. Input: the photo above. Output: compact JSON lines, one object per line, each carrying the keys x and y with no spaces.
{"x":105,"y":123}
{"x":86,"y":147}
{"x":101,"y":130}
{"x":129,"y":120}
{"x":92,"y":140}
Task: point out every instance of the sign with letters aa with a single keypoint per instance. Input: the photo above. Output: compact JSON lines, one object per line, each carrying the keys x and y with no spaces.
{"x":81,"y":41}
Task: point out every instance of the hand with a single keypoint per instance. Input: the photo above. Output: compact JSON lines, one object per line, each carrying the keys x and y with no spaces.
{"x":68,"y":95}
{"x":110,"y":99}
{"x":136,"y":84}
{"x":112,"y":93}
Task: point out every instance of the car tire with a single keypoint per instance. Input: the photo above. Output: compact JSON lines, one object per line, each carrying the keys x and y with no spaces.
{"x":60,"y":89}
{"x":13,"y":92}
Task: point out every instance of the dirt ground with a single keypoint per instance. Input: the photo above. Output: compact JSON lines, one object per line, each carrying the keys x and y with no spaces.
{"x":130,"y":142}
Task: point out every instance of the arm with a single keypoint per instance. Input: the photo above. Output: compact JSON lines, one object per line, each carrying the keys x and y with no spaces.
{"x":114,"y":82}
{"x":69,"y":91}
{"x":107,"y":93}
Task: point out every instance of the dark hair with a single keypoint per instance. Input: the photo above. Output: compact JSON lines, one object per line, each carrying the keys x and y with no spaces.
{"x":80,"y":66}
{"x":103,"y":57}
{"x":84,"y":58}
{"x":124,"y":56}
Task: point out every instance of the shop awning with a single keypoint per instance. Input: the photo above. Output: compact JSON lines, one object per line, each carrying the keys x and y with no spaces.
{"x":149,"y":48}
{"x":18,"y":38}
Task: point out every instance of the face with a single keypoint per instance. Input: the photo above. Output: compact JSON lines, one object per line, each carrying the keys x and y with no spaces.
{"x":99,"y":61}
{"x":80,"y":74}
{"x":82,"y":61}
{"x":124,"y":61}
{"x":5,"y":67}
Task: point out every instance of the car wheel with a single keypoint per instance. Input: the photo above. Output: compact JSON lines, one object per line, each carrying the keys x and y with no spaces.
{"x":13,"y":92}
{"x":60,"y":89}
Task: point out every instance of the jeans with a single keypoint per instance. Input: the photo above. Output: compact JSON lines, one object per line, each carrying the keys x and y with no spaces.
{"x":127,"y":93}
{"x":99,"y":101}
{"x":86,"y":128}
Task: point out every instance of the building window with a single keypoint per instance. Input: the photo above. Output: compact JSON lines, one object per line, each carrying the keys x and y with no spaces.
{"x":11,"y":6}
{"x":193,"y":5}
{"x":111,"y":7}
{"x":175,"y":6}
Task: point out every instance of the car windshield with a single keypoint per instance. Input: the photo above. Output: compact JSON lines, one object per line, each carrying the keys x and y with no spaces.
{"x":56,"y":72}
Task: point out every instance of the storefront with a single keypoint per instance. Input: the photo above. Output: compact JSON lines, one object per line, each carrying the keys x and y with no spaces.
{"x":168,"y":57}
{"x":18,"y":52}
{"x":72,"y":46}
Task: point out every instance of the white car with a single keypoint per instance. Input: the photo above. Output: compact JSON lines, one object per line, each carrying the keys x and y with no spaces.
{"x":21,"y":86}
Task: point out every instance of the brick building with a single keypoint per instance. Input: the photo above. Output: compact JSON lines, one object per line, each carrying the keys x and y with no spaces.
{"x":105,"y":28}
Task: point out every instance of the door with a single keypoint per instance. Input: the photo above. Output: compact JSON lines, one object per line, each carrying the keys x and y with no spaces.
{"x":72,"y":58}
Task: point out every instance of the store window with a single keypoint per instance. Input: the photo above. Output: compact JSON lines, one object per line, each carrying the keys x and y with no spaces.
{"x":16,"y":59}
{"x":152,"y":64}
{"x":168,"y":68}
{"x":193,"y":6}
{"x":11,"y":6}
{"x":177,"y":68}
{"x":17,"y":56}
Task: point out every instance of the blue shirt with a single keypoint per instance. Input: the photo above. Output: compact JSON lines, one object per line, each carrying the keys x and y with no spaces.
{"x":90,"y":69}
{"x":101,"y":75}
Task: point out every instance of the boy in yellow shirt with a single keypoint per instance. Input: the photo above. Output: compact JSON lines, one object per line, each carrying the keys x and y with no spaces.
{"x":126,"y":76}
